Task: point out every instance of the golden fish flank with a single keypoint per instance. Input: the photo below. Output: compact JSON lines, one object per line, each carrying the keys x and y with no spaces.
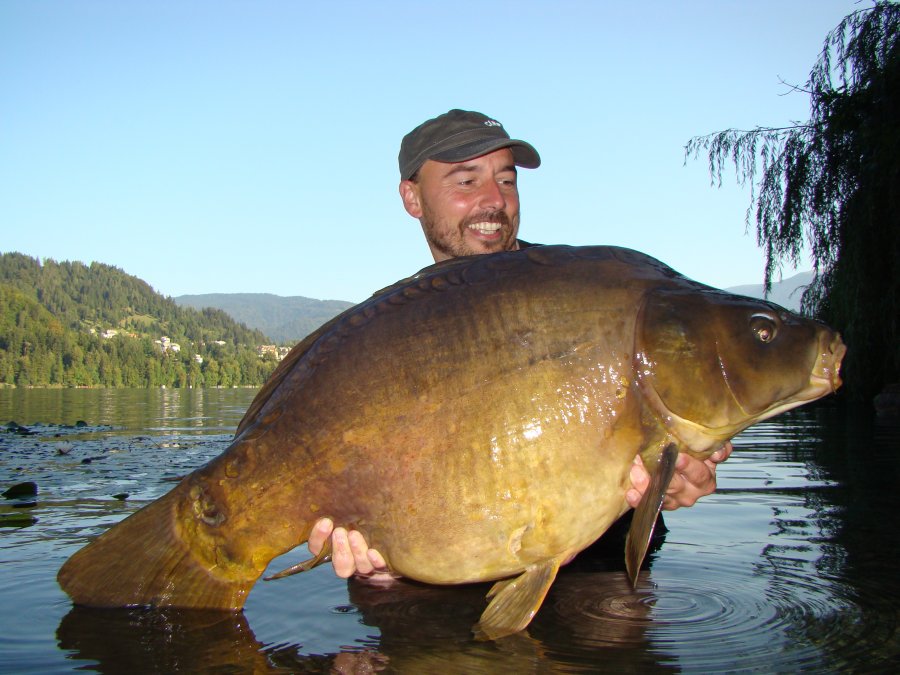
{"x":501,"y":417}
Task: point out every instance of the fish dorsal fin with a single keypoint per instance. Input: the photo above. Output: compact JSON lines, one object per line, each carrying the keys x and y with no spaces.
{"x":281,"y":371}
{"x":515,"y":601}
{"x":646,"y":513}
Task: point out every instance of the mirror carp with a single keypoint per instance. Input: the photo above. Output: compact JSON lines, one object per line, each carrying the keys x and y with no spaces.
{"x":475,"y":422}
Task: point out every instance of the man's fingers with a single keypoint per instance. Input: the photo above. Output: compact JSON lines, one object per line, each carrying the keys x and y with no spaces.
{"x":633,"y":497}
{"x":320,"y":533}
{"x":640,"y":477}
{"x":693,"y":479}
{"x":341,"y":556}
{"x":359,"y":548}
{"x":678,"y":493}
{"x":378,"y":562}
{"x":697,"y":474}
{"x":723,"y":453}
{"x":370,"y":565}
{"x":350,"y":554}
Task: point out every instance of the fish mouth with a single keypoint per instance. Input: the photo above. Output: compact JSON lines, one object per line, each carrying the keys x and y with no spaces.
{"x":826,"y":373}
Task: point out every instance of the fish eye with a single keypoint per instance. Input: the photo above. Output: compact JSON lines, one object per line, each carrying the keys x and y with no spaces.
{"x":764,"y":327}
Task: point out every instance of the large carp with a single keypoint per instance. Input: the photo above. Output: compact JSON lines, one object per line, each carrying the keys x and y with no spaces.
{"x":475,"y":422}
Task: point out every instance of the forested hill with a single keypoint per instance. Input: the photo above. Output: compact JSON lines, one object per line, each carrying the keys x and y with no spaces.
{"x":71,"y":324}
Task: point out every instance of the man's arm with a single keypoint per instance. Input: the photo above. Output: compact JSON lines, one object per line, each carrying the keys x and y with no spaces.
{"x":693,"y":479}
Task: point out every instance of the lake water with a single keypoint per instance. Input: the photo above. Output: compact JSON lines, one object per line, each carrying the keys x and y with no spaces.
{"x":791,"y":566}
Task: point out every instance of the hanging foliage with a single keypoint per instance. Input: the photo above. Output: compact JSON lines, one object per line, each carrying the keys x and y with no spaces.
{"x":831,"y":186}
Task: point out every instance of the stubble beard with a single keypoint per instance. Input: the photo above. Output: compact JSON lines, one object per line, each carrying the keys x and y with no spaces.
{"x":451,"y":241}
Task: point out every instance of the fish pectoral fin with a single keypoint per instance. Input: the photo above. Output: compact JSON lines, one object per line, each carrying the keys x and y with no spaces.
{"x":646,"y":513}
{"x":515,"y":601}
{"x":322,"y":557}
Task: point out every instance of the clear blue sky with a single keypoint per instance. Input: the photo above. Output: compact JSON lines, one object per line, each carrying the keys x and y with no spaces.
{"x":221,"y":146}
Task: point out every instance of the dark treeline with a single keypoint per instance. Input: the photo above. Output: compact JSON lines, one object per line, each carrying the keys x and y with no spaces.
{"x":53,"y":318}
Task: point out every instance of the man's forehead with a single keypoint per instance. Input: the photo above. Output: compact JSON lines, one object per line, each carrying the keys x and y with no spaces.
{"x":498,"y":160}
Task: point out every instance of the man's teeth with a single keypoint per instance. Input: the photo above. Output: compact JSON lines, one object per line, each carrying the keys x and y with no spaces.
{"x":485,"y":228}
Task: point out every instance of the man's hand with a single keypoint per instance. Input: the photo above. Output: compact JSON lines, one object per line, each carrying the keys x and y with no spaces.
{"x":351,"y":554}
{"x":693,"y":479}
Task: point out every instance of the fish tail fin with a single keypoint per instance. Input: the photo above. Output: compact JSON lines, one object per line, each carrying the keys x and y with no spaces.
{"x":145,"y":560}
{"x":646,"y":513}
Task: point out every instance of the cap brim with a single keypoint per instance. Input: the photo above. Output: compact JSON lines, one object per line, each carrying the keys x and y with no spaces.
{"x":524,"y":154}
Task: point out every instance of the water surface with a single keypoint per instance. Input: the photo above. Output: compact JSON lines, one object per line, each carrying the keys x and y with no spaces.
{"x":790,"y":566}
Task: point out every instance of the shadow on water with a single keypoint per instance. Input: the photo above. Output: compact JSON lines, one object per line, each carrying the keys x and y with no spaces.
{"x":419,"y":629}
{"x":790,"y":567}
{"x":156,"y":641}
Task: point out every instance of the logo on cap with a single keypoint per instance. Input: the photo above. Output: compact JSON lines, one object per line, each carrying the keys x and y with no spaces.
{"x":492,"y":123}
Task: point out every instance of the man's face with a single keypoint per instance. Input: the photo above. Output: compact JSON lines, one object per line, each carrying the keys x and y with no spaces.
{"x":466,"y":208}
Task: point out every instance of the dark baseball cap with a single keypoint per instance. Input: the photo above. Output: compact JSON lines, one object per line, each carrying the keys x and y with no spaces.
{"x":459,"y":135}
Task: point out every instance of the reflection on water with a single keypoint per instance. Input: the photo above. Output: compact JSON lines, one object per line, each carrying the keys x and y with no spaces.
{"x":788,"y":567}
{"x":130,"y":410}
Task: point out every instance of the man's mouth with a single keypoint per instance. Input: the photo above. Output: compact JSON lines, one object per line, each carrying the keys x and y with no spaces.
{"x":485,"y":229}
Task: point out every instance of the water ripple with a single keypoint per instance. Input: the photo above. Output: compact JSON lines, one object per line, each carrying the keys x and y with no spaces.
{"x":731,"y":621}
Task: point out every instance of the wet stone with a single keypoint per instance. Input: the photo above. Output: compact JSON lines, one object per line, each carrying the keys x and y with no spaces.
{"x":26,"y":489}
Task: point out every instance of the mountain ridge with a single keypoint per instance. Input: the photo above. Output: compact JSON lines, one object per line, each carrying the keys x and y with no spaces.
{"x":786,"y":292}
{"x":285,"y":319}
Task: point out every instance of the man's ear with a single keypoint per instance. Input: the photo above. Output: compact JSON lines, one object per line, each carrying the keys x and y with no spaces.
{"x":412,"y":201}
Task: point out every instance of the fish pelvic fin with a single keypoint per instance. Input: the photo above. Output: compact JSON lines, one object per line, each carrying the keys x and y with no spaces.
{"x":514,"y":602}
{"x":320,"y":558}
{"x":145,"y":561}
{"x":646,"y":513}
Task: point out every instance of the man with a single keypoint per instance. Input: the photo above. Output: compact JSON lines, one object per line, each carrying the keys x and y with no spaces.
{"x":458,"y":177}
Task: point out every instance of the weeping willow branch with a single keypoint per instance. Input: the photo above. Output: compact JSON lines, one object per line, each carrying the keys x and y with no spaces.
{"x":771,"y":161}
{"x":832,"y":185}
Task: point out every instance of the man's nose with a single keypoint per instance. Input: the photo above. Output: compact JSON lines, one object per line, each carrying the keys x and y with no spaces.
{"x":491,"y":197}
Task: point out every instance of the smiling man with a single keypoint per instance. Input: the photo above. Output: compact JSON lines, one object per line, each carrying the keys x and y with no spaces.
{"x":458,"y":177}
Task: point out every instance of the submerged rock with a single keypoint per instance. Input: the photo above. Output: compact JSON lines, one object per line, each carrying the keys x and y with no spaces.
{"x":27,"y":489}
{"x":17,"y":520}
{"x":16,"y":428}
